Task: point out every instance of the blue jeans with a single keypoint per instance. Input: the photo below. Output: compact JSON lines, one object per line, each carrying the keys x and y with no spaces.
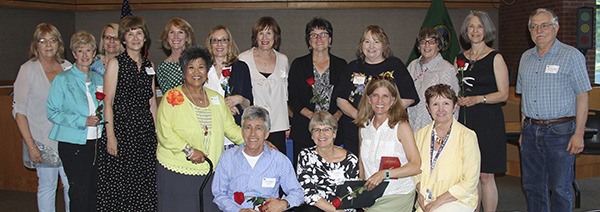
{"x":546,"y":165}
{"x":47,"y":182}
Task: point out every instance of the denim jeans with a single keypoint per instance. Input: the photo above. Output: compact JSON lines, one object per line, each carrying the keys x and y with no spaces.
{"x":47,"y":181}
{"x":546,"y":165}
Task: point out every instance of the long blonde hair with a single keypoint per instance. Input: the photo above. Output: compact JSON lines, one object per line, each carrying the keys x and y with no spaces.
{"x":396,"y":113}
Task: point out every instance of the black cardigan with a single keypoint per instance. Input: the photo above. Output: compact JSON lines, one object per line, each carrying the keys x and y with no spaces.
{"x":300,"y":92}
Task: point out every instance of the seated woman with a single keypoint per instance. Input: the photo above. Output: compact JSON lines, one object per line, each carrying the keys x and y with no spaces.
{"x":322,"y":167}
{"x":451,"y":168}
{"x":384,"y":131}
{"x":192,"y":121}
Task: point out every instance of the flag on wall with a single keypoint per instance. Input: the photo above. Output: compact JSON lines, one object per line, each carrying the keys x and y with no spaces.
{"x":125,"y":9}
{"x":438,"y":18}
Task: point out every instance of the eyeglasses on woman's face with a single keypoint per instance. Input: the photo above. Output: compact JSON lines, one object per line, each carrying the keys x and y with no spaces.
{"x":221,"y":40}
{"x":44,"y":41}
{"x":430,"y":41}
{"x":320,"y":35}
{"x":322,"y":130}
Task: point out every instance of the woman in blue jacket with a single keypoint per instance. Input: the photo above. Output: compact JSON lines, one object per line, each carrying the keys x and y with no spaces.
{"x":72,"y":106}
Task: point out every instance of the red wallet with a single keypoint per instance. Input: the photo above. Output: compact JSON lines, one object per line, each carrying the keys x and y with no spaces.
{"x":388,"y":162}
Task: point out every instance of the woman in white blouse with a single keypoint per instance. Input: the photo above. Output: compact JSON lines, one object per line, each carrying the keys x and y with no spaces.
{"x":269,"y":74}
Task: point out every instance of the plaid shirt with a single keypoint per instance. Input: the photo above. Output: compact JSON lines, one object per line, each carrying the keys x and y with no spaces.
{"x":549,"y":84}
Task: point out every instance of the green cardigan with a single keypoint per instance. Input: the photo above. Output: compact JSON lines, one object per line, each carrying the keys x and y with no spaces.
{"x":177,"y":126}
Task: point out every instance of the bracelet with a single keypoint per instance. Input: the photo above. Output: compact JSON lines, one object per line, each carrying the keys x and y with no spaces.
{"x":189,"y":151}
{"x":484,"y":99}
{"x":387,"y":174}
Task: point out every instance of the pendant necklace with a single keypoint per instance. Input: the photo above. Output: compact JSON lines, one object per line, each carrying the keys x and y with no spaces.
{"x":192,"y":96}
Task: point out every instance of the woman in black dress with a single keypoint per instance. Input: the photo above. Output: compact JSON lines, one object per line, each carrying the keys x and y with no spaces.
{"x":484,"y":87}
{"x":324,"y":69}
{"x":127,"y":150}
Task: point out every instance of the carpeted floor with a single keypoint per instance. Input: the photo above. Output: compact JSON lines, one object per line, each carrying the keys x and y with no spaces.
{"x":509,"y":189}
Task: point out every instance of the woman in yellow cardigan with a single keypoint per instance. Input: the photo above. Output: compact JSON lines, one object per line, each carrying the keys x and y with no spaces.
{"x":450,"y":157}
{"x":191,"y":122}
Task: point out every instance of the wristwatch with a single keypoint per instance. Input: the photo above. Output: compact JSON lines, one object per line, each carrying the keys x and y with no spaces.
{"x":484,"y":99}
{"x":387,"y":174}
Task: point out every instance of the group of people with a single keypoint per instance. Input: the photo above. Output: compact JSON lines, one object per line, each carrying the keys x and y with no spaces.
{"x":97,"y":124}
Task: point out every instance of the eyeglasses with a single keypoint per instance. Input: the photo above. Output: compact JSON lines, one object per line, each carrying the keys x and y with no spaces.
{"x":110,"y":38}
{"x":322,"y":130}
{"x":427,"y":41}
{"x":321,"y":35}
{"x":44,"y":41}
{"x":543,"y":26}
{"x":222,"y":41}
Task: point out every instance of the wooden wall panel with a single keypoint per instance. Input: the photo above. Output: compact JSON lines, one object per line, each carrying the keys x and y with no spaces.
{"x":96,"y":5}
{"x":14,"y":176}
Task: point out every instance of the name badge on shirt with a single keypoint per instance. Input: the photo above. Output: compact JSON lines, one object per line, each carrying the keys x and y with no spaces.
{"x":215,"y":100}
{"x":150,"y":71}
{"x":552,"y":69}
{"x":268,"y":182}
{"x":359,"y":80}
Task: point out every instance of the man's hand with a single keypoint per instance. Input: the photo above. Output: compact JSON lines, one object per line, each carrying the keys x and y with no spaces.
{"x":275,"y":205}
{"x":575,"y":144}
{"x":247,"y":210}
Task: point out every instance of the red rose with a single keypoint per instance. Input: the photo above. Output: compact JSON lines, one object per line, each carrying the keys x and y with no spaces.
{"x":238,"y":197}
{"x":100,"y":96}
{"x":226,"y":72}
{"x":310,"y":81}
{"x":336,"y":202}
{"x":460,"y":63}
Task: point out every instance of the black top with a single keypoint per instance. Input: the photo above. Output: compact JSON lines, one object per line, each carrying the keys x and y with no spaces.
{"x":403,"y":79}
{"x":348,"y":131}
{"x":241,"y":85}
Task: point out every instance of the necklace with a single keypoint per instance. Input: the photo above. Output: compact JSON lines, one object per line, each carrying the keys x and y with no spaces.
{"x":265,"y":61}
{"x":192,"y":96}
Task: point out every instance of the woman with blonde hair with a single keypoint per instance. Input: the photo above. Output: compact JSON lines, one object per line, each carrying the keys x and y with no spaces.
{"x":176,"y":36}
{"x":109,"y":47}
{"x":71,"y":107}
{"x":31,"y":90}
{"x":385,"y":132}
{"x":374,"y":58}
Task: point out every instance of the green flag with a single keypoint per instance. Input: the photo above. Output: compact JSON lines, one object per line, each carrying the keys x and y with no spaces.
{"x":438,"y":18}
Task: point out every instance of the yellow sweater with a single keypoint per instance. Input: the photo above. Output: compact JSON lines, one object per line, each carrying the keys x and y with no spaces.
{"x":456,"y":169}
{"x":177,"y":126}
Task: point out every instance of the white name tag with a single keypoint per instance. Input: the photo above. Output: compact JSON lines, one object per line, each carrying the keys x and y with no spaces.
{"x":150,"y":71}
{"x":268,"y":182}
{"x":552,"y":69}
{"x":100,"y":89}
{"x":359,"y":80}
{"x":215,"y":100}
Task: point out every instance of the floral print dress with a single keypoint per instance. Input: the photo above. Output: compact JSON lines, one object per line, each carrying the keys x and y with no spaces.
{"x":319,"y":178}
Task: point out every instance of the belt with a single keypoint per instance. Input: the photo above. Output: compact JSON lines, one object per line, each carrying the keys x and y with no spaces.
{"x":551,"y":121}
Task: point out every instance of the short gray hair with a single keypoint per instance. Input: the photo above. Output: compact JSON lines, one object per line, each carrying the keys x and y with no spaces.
{"x":543,"y":10}
{"x":322,"y":118}
{"x":489,"y":28}
{"x":256,"y":112}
